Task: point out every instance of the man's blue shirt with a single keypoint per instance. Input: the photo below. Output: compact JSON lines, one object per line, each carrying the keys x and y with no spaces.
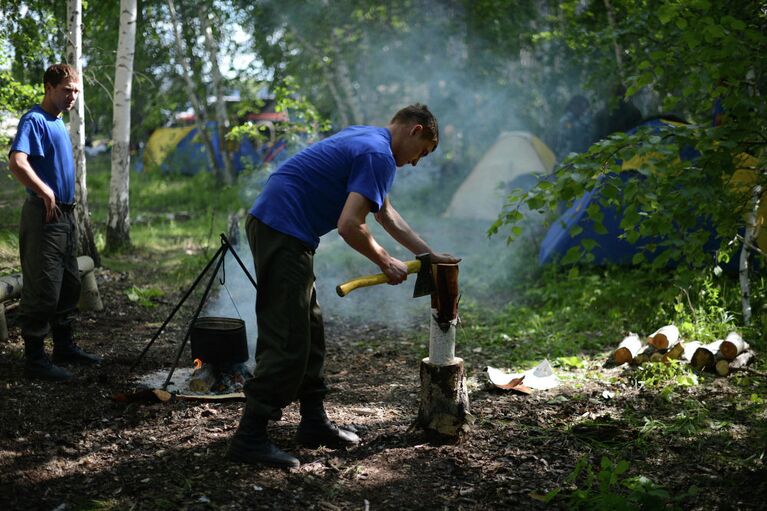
{"x":44,"y":138}
{"x":305,"y":196}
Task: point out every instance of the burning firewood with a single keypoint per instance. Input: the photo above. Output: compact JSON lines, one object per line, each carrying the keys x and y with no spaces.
{"x":628,"y":349}
{"x":203,"y":377}
{"x":664,"y":338}
{"x":732,"y":346}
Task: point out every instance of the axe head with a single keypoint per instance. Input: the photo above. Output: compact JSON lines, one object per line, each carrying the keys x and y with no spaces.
{"x":424,"y":282}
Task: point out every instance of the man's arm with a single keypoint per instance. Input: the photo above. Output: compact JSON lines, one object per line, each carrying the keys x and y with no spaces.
{"x":398,"y":228}
{"x":18,"y":162}
{"x":353,"y":229}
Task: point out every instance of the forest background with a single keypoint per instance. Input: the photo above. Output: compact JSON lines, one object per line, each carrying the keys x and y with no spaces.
{"x":483,"y":67}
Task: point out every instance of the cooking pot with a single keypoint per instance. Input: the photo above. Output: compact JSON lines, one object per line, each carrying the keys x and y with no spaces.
{"x":220,"y":341}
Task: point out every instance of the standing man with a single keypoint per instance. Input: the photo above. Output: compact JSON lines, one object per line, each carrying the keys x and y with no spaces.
{"x":332,"y":184}
{"x":41,"y":159}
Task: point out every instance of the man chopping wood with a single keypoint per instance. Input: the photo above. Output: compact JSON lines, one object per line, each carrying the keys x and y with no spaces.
{"x":334,"y":183}
{"x":41,"y":159}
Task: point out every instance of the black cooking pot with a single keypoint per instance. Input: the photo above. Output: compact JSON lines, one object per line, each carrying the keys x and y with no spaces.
{"x":219,"y":341}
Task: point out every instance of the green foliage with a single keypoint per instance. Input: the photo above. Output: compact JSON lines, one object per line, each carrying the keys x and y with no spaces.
{"x":690,"y":54}
{"x":664,"y":374}
{"x":610,"y":488}
{"x":144,"y":296}
{"x":305,"y":122}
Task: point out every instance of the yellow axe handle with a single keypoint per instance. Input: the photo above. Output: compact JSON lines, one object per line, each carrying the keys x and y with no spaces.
{"x":372,"y":280}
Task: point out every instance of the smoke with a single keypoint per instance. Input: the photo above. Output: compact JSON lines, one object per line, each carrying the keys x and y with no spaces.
{"x":475,"y":95}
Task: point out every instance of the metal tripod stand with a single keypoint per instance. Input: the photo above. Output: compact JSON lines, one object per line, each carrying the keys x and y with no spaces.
{"x":218,"y":261}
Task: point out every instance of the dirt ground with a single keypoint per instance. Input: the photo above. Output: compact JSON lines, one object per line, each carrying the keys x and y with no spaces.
{"x":71,"y":446}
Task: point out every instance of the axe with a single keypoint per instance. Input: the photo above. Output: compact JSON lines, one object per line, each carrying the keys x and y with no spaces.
{"x":424,"y":284}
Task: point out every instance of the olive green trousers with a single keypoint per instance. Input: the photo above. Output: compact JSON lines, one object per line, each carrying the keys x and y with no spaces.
{"x":290,"y":351}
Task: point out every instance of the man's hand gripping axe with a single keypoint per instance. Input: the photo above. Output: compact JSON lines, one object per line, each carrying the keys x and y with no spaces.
{"x":424,"y":283}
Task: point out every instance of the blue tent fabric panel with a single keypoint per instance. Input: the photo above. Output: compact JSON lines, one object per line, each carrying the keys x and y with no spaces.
{"x":189,"y":157}
{"x":610,"y":248}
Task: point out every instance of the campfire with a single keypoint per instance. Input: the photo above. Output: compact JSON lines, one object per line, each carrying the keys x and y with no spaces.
{"x":219,"y":351}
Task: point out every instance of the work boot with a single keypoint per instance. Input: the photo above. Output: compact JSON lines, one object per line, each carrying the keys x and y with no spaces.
{"x":38,"y":366}
{"x":315,"y":429}
{"x":66,"y":350}
{"x":251,"y":444}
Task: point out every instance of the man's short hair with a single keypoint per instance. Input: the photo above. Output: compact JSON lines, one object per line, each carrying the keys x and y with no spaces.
{"x":57,"y":73}
{"x":419,"y":114}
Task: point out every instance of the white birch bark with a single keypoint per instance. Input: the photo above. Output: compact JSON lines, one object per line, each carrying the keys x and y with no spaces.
{"x":749,"y":239}
{"x":85,"y":241}
{"x":118,"y":222}
{"x":222,"y":120}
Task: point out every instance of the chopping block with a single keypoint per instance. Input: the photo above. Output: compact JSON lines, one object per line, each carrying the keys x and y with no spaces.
{"x":444,"y":412}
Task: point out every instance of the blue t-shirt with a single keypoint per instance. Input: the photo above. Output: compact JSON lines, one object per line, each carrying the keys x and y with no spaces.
{"x":44,"y":138}
{"x":305,"y":196}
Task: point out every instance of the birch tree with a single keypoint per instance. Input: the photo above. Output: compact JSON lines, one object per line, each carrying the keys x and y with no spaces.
{"x":197,"y":105}
{"x":222,"y":120}
{"x":86,"y":242}
{"x":118,"y":223}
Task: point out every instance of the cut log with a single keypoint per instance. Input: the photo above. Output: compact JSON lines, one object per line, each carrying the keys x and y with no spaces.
{"x":644,"y":355}
{"x":722,"y":366}
{"x":742,"y":361}
{"x":674,"y":353}
{"x":202,"y":378}
{"x":732,"y":346}
{"x":444,"y":409}
{"x":705,"y":356}
{"x":628,"y":349}
{"x":665,"y":337}
{"x":689,"y":350}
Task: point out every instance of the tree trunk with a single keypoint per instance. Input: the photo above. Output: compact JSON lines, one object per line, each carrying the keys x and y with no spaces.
{"x":118,"y":223}
{"x":199,"y":107}
{"x":444,"y":407}
{"x":749,"y":239}
{"x":222,"y":120}
{"x":616,"y":45}
{"x":86,"y":244}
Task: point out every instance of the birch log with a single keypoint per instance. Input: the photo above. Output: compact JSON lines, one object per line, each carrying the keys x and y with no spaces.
{"x":732,"y":346}
{"x":444,"y":398}
{"x":627,"y":349}
{"x":705,"y":356}
{"x":675,"y":353}
{"x":665,"y":337}
{"x":118,"y":222}
{"x":689,"y":350}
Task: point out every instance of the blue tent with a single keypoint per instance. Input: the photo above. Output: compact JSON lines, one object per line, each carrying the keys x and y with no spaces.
{"x":182,"y":150}
{"x":574,"y":225}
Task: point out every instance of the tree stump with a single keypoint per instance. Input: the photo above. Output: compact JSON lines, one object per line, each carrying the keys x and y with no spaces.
{"x":444,"y":411}
{"x":444,"y":408}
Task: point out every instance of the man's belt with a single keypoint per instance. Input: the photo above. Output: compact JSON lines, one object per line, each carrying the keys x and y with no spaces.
{"x":66,"y":207}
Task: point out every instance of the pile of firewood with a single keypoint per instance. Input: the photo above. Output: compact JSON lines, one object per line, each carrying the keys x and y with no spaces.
{"x":722,"y":356}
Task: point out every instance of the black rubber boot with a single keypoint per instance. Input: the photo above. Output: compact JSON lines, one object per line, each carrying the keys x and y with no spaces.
{"x":251,"y":444}
{"x":316,"y":429}
{"x":66,"y":350}
{"x":38,"y":366}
